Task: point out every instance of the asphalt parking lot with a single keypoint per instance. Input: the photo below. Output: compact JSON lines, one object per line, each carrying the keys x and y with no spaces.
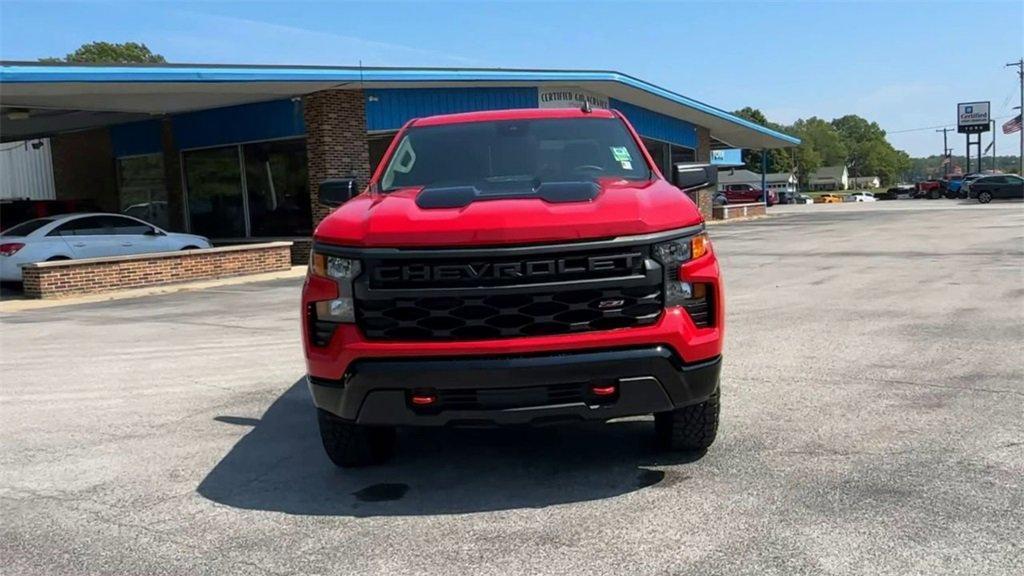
{"x":872,"y":423}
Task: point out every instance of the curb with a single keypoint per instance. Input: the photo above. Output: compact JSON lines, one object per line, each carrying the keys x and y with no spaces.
{"x":20,"y":305}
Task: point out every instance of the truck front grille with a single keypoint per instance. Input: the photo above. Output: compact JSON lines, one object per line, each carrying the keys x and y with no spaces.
{"x":506,"y":316}
{"x":507,"y":293}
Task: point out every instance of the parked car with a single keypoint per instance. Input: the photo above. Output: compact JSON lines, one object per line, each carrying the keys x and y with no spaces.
{"x":803,"y":199}
{"x":965,"y":184}
{"x":745,"y":193}
{"x":928,"y":189}
{"x":951,"y":186}
{"x":829,"y":199}
{"x":787,"y":197}
{"x":988,"y":188}
{"x":89,"y":235}
{"x":862,"y":197}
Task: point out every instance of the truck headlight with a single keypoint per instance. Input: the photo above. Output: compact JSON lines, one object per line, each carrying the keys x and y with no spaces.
{"x":672,"y":255}
{"x":343,"y":271}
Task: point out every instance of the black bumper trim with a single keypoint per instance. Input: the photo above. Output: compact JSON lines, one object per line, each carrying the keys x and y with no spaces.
{"x":649,"y":380}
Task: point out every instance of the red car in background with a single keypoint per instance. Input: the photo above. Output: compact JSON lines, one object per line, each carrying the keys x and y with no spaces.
{"x":745,"y":194}
{"x":928,"y":189}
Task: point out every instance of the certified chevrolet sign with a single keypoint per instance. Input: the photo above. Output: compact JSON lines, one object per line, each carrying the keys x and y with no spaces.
{"x":972,"y":117}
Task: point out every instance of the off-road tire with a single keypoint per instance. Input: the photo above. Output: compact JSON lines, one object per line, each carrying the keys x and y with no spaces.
{"x":984,"y":197}
{"x":350,"y":445}
{"x":689,"y":428}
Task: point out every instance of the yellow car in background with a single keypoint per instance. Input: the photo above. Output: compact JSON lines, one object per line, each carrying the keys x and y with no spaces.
{"x":829,"y":199}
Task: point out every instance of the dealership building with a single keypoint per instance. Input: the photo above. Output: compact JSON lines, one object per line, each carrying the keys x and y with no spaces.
{"x":235,"y":152}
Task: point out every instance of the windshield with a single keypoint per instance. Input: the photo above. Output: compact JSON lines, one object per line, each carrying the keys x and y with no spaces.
{"x":26,"y":228}
{"x":514,"y":153}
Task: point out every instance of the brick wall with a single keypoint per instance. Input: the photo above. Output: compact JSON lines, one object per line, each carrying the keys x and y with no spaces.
{"x":83,"y":168}
{"x":730,"y":211}
{"x":336,"y":143}
{"x":73,"y":277}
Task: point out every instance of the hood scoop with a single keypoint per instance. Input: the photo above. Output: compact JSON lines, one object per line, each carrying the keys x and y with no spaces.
{"x":462,"y":196}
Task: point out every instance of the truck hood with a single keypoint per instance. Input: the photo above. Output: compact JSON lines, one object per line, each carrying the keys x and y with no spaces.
{"x":621,"y":208}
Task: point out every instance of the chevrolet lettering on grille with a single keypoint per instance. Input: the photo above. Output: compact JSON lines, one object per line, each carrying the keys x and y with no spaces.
{"x":541,"y":269}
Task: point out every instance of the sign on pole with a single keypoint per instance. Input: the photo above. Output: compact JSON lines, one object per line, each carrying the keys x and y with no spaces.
{"x":972,"y":117}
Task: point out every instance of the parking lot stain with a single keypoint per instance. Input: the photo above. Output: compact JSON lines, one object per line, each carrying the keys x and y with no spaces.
{"x":383,"y":492}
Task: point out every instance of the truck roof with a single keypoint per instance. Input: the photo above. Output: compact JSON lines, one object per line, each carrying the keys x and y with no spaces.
{"x":516,"y":114}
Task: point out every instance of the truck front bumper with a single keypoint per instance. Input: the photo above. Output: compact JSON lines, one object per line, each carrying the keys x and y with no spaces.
{"x":511,"y":390}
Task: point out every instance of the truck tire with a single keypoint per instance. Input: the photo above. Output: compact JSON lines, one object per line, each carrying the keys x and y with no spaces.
{"x":350,"y":445}
{"x":688,"y":428}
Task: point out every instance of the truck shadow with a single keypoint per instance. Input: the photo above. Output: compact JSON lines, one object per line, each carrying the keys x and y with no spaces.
{"x":280,"y":466}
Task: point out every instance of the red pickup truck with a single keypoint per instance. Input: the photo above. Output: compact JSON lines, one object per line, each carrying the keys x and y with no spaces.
{"x":745,"y":194}
{"x":507,"y":268}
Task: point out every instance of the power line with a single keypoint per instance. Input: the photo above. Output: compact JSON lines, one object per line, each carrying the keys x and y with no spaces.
{"x":939,"y":127}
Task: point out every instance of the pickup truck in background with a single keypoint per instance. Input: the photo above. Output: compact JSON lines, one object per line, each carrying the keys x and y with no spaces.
{"x":931,"y":189}
{"x":745,"y":194}
{"x":513,"y":267}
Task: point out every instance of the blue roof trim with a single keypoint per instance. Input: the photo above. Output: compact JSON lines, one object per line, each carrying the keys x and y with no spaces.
{"x":35,"y":73}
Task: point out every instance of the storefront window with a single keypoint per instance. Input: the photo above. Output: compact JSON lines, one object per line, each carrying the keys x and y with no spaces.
{"x":140,"y":181}
{"x":659,"y":153}
{"x":214,"y":180}
{"x":275,"y":179}
{"x":681,"y":154}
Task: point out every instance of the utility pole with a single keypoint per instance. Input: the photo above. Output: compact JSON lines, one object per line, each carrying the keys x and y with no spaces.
{"x":993,"y":145}
{"x":1020,"y":74}
{"x":945,"y":152}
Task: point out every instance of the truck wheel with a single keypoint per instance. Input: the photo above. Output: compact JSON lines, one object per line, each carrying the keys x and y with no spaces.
{"x":350,"y":445}
{"x":689,"y":428}
{"x":984,"y":197}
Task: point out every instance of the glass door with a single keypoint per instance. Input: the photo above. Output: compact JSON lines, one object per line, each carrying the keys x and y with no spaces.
{"x":277,"y":187}
{"x":216,"y":207}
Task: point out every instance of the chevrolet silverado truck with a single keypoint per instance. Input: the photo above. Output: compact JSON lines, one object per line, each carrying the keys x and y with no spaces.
{"x":516,"y":267}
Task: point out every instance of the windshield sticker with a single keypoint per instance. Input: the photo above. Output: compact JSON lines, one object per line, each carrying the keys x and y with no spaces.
{"x":626,"y":164}
{"x":621,"y":154}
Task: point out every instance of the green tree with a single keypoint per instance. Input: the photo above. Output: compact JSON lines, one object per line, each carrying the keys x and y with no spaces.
{"x":110,"y":53}
{"x":821,"y":136}
{"x":778,"y":160}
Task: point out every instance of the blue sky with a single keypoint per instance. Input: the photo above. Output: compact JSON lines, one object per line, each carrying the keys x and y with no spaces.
{"x":902,"y":64}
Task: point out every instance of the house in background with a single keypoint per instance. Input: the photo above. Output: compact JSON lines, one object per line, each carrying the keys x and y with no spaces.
{"x":830,"y":178}
{"x":777,"y":181}
{"x":865,"y":182}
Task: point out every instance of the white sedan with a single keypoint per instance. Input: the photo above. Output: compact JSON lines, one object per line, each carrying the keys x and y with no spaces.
{"x":72,"y":236}
{"x":862,"y":197}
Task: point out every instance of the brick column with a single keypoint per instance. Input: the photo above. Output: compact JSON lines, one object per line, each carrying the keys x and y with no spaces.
{"x":336,"y":143}
{"x":703,"y":144}
{"x":704,"y":197}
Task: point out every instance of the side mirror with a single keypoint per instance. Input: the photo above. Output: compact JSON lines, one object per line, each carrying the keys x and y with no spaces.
{"x":336,"y":192}
{"x":689,"y":177}
{"x":154,"y":232}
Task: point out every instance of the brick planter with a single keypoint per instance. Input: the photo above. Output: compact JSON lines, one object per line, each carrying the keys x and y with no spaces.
{"x":90,"y":275}
{"x":730,"y":211}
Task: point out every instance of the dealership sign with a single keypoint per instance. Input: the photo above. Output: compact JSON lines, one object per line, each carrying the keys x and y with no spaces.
{"x":569,"y":97}
{"x":972,"y":117}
